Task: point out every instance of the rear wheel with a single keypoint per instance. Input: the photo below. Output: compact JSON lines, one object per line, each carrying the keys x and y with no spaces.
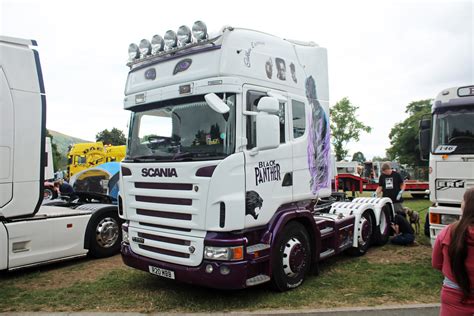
{"x":106,"y":237}
{"x":382,"y":231}
{"x":291,"y":258}
{"x":364,"y":235}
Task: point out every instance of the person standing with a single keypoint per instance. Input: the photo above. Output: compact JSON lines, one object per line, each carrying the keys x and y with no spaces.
{"x":453,"y":255}
{"x":391,"y":185}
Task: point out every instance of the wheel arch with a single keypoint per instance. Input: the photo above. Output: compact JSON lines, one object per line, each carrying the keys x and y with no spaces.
{"x":99,"y":211}
{"x":300,"y":215}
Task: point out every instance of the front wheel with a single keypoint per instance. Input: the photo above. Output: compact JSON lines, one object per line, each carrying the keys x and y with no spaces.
{"x":106,"y":235}
{"x":291,"y":258}
{"x":364,"y":235}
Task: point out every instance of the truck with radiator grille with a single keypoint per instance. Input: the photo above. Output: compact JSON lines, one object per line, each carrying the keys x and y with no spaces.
{"x":227,"y":178}
{"x":447,"y":141}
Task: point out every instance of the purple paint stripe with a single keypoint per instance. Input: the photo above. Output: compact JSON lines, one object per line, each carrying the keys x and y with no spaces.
{"x":165,"y":227}
{"x":164,"y":251}
{"x":164,"y":186}
{"x":172,"y":215}
{"x":165,"y":239}
{"x":163,"y":200}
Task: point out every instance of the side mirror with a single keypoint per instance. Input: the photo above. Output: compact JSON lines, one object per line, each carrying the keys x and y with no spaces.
{"x":425,"y":139}
{"x":268,"y":124}
{"x":216,"y":103}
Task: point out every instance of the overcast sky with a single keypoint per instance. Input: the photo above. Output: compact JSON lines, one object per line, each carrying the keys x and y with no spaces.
{"x":382,"y":54}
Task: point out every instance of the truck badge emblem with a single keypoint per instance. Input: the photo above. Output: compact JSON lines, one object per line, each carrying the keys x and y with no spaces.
{"x":182,"y":65}
{"x":139,"y":240}
{"x":150,"y":74}
{"x":192,"y":249}
{"x":448,"y":184}
{"x":159,"y":172}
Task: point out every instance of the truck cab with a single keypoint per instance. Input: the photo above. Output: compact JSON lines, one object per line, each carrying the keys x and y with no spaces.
{"x":447,"y":138}
{"x":33,"y":232}
{"x":227,"y":155}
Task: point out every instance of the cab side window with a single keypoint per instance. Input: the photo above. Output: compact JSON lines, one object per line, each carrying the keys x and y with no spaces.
{"x":299,"y":118}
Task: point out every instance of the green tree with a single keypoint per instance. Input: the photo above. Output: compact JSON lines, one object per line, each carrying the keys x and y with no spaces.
{"x":58,"y":160}
{"x":358,"y":156}
{"x":113,"y":137}
{"x":404,"y":136}
{"x":345,"y":126}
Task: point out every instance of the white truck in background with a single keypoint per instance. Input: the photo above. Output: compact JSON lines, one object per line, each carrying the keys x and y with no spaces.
{"x":447,"y":139}
{"x":33,"y":232}
{"x":228,"y":160}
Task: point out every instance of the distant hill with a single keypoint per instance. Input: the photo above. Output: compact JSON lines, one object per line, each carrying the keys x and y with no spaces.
{"x":63,"y":141}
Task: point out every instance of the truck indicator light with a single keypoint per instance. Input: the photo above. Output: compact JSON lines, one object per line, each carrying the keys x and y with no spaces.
{"x":435,"y":218}
{"x":69,"y":225}
{"x":237,"y":253}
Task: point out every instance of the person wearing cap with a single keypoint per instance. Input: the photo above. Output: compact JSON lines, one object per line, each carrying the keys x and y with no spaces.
{"x":391,"y":185}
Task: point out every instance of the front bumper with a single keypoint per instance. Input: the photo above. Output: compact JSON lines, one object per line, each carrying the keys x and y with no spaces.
{"x":236,"y":279}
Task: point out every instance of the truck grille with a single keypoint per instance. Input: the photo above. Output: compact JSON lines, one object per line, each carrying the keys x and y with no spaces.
{"x":184,"y":250}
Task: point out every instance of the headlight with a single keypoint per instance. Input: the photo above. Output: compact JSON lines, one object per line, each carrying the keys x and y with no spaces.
{"x":125,"y":237}
{"x":447,"y":219}
{"x":199,"y":30}
{"x":184,"y":35}
{"x":133,"y":51}
{"x":224,"y":253}
{"x":170,"y":40}
{"x":157,"y":44}
{"x":145,"y":47}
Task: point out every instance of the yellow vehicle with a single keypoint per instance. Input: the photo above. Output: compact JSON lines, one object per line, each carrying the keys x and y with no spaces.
{"x":82,"y":156}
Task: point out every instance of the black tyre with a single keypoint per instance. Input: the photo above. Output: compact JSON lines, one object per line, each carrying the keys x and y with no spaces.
{"x":382,"y":231}
{"x":105,"y":236}
{"x":291,"y":257}
{"x":365,"y":235}
{"x":48,"y":194}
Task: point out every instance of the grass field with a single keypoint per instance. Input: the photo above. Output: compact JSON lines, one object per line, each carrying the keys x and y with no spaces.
{"x":385,"y":275}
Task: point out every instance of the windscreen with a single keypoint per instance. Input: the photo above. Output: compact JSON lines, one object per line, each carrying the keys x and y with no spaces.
{"x":453,"y":131}
{"x":181,"y":130}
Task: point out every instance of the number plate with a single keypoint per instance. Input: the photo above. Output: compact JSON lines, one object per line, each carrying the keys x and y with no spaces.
{"x":161,"y":272}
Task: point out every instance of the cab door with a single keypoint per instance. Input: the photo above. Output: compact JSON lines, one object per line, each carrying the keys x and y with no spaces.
{"x":268,"y":173}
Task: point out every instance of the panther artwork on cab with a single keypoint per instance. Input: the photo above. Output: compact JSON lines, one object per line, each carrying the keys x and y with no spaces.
{"x":318,"y":141}
{"x":253,"y":204}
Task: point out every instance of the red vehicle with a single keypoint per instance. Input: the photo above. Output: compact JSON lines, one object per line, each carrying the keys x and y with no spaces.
{"x":367,"y":180}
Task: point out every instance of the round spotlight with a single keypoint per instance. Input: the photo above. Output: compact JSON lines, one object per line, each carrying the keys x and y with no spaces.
{"x":133,"y":51}
{"x":199,"y":30}
{"x":170,"y":40}
{"x":145,"y":47}
{"x":225,"y":270}
{"x":157,"y":44}
{"x":184,"y":35}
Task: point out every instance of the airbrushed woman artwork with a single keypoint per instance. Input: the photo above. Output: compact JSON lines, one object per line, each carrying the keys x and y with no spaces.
{"x":318,"y":141}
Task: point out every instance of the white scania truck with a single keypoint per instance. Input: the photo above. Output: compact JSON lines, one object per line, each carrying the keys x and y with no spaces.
{"x":33,"y":232}
{"x":228,"y":158}
{"x":448,"y":140}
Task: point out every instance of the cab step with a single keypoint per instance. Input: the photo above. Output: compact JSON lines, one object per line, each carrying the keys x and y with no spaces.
{"x":259,"y":279}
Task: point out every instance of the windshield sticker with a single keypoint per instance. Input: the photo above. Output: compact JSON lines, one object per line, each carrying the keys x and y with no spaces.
{"x":267,"y":171}
{"x":445,"y":149}
{"x":253,"y":204}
